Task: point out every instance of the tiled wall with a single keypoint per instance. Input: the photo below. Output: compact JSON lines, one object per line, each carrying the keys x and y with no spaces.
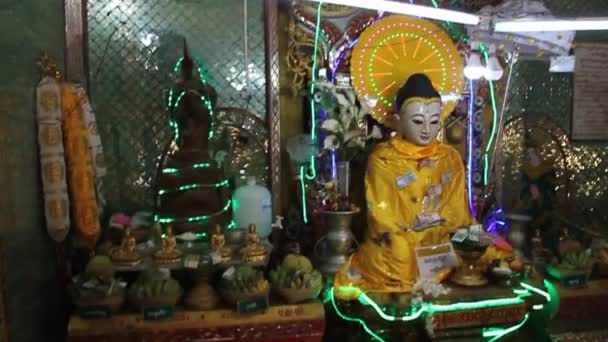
{"x":27,"y":27}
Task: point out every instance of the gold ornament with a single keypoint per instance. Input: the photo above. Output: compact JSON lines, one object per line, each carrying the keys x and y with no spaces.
{"x":396,"y":47}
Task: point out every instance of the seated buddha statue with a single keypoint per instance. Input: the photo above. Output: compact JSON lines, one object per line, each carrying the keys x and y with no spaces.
{"x":218,"y":244}
{"x":415,"y":193}
{"x":253,"y":251}
{"x":126,"y":254}
{"x":168,"y":252}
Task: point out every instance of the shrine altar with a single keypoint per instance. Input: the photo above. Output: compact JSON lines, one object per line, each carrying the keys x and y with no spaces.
{"x":303,"y":322}
{"x":465,"y":314}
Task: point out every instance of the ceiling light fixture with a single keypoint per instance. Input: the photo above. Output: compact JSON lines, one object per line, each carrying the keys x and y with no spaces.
{"x":551,"y":25}
{"x":409,"y":9}
{"x":493,"y":70}
{"x":474,"y":70}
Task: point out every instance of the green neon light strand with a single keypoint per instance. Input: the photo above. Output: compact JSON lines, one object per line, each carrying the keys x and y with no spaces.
{"x":486,"y":161}
{"x":537,"y":291}
{"x":486,"y":155}
{"x":346,"y":318}
{"x":171,"y":170}
{"x":193,"y":218}
{"x":303,"y":189}
{"x":431,"y":308}
{"x":313,"y":125}
{"x":498,"y":334}
{"x":187,"y":187}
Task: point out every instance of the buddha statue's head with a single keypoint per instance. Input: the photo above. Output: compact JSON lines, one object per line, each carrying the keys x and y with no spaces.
{"x":418,"y":118}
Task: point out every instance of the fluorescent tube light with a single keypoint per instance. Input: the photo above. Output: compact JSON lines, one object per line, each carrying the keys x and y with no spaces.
{"x":547,"y":25}
{"x":409,"y":9}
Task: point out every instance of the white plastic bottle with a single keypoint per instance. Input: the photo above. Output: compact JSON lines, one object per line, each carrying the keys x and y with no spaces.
{"x":251,"y":204}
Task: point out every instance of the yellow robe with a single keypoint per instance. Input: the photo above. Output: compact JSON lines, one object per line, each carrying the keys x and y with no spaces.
{"x":386,"y":262}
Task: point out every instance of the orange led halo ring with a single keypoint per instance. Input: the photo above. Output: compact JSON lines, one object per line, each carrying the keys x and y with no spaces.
{"x":396,"y":47}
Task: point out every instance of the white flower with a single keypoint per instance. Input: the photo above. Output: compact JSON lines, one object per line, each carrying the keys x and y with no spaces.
{"x":376,"y":133}
{"x":369,"y":101}
{"x":330,"y":142}
{"x":331,"y":125}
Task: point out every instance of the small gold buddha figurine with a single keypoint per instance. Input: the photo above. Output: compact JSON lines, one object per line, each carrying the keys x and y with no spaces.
{"x":126,"y":254}
{"x":254,"y":251}
{"x":168,"y":252}
{"x":218,"y":244}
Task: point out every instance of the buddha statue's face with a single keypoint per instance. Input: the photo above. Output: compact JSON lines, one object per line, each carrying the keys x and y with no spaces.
{"x":419,"y":121}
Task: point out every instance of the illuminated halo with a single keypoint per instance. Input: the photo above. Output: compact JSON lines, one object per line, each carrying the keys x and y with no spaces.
{"x":392,"y":49}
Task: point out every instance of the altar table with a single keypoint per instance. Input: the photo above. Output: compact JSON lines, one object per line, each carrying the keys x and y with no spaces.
{"x":284,"y":323}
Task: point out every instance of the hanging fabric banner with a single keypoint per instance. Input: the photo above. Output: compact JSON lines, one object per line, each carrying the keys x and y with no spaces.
{"x":81,"y":174}
{"x":52,"y":162}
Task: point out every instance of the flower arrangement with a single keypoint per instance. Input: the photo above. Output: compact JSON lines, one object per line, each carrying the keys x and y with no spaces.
{"x":346,"y":131}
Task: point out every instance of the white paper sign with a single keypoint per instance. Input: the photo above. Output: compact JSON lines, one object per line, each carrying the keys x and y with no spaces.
{"x":215,"y":258}
{"x":590,"y":104}
{"x":191,"y":261}
{"x":432,"y":260}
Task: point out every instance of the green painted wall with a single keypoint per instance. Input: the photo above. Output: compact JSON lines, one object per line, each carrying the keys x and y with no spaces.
{"x":33,"y":298}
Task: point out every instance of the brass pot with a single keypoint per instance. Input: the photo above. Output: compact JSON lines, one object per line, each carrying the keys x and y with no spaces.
{"x":333,"y":249}
{"x":468,"y":273}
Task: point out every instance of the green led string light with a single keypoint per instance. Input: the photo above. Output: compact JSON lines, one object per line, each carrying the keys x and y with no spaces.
{"x":198,"y":68}
{"x":346,"y":318}
{"x":187,"y":187}
{"x":207,"y":102}
{"x":171,"y":170}
{"x":192,"y":218}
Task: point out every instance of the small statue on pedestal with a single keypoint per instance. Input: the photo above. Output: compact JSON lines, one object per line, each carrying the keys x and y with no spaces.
{"x":218,"y":244}
{"x":254,"y":251}
{"x":126,"y":255}
{"x":168,"y":253}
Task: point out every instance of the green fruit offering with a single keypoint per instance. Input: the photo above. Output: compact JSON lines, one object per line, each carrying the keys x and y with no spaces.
{"x":296,"y":272}
{"x":154,"y":283}
{"x":244,"y":279}
{"x":100,"y":267}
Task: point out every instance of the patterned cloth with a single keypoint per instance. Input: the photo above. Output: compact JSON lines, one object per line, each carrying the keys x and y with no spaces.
{"x":396,"y":188}
{"x":52,"y":158}
{"x":71,"y":156}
